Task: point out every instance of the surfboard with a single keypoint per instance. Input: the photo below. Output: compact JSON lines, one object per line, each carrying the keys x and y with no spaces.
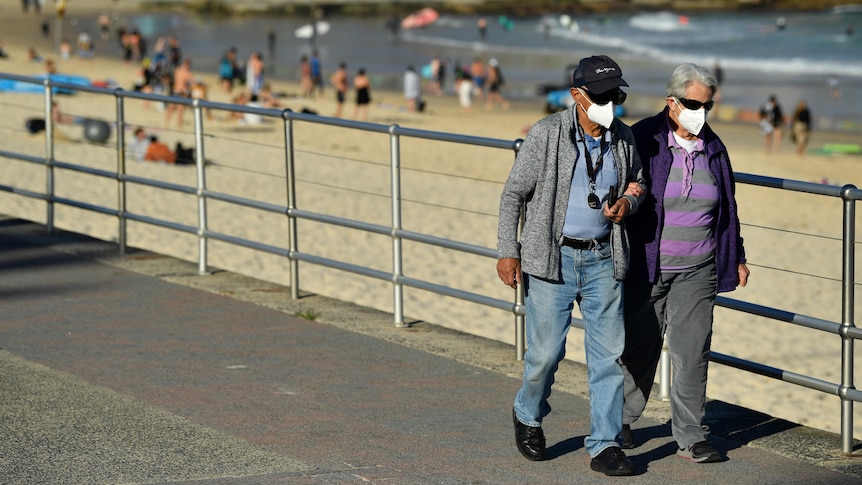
{"x":307,"y":30}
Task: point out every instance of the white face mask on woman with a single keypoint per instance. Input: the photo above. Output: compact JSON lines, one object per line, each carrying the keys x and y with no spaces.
{"x":602,"y":114}
{"x":691,"y":119}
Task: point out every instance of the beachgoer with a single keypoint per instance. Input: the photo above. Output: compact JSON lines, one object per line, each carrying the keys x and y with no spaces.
{"x":33,"y":56}
{"x":137,"y":146}
{"x":270,"y":43}
{"x":464,"y":88}
{"x":254,"y":73}
{"x":65,"y":49}
{"x":252,"y":118}
{"x":441,"y":76}
{"x":306,"y":82}
{"x":771,"y":110}
{"x":362,"y":85}
{"x":477,"y":72}
{"x":174,"y":52}
{"x":718,"y":73}
{"x":685,"y":247}
{"x":105,"y":26}
{"x":570,"y":176}
{"x":801,"y":126}
{"x":159,"y":152}
{"x":412,"y":88}
{"x":58,"y":116}
{"x":85,"y":46}
{"x":269,"y":99}
{"x":834,"y":86}
{"x":316,"y":72}
{"x":495,"y":83}
{"x":482,"y":25}
{"x":393,"y":24}
{"x":199,"y":90}
{"x":227,"y":70}
{"x":181,"y":86}
{"x":434,"y":74}
{"x":339,"y":82}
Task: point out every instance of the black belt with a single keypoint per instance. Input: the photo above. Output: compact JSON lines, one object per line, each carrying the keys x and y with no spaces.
{"x":583,"y":243}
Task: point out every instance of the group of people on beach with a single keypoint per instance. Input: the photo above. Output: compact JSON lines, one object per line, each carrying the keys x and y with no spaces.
{"x":639,"y":226}
{"x":772,"y":121}
{"x":478,"y":80}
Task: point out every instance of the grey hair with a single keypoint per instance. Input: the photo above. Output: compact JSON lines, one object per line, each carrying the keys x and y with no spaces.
{"x":684,"y":75}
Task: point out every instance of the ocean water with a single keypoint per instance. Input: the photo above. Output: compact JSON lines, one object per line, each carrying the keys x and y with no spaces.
{"x":790,"y":54}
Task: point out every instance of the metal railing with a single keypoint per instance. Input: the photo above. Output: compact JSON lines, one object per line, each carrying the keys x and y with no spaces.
{"x":846,"y":329}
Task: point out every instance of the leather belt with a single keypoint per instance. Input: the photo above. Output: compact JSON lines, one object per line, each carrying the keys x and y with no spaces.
{"x":583,"y":243}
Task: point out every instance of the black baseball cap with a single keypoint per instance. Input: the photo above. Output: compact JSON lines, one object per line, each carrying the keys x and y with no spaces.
{"x":599,"y":74}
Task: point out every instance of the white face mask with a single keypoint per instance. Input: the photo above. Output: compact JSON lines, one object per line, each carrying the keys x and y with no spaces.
{"x":691,"y":120}
{"x":600,"y":114}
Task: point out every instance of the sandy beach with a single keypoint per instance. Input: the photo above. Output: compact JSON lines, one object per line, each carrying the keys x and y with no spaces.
{"x":792,"y":240}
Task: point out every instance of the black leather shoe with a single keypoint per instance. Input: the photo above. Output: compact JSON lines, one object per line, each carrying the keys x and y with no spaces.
{"x":612,"y":462}
{"x":626,"y":438}
{"x":530,"y":440}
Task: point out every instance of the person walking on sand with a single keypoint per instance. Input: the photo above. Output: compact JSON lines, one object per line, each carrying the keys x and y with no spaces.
{"x":477,"y":72}
{"x":181,"y":86}
{"x":801,"y":126}
{"x":254,"y":73}
{"x":228,"y":68}
{"x":362,"y":85}
{"x":339,"y":82}
{"x":306,"y":81}
{"x":412,"y":88}
{"x":570,"y":176}
{"x":495,"y":83}
{"x":771,"y":111}
{"x":464,"y":88}
{"x":686,"y":247}
{"x":316,"y":73}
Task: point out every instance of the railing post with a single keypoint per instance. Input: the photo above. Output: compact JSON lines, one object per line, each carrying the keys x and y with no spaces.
{"x":121,"y":171}
{"x":49,"y":155}
{"x":520,"y":320}
{"x":397,"y":269}
{"x":291,"y":204}
{"x":200,"y":163}
{"x":847,"y":318}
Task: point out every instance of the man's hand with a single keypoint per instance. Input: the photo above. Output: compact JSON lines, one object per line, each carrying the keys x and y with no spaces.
{"x":618,"y":211}
{"x":509,"y":270}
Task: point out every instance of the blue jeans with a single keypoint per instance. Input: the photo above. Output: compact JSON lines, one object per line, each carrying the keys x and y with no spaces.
{"x":587,"y":278}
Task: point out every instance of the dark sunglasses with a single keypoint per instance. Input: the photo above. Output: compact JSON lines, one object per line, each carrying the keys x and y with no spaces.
{"x":695,"y":105}
{"x":617,"y":96}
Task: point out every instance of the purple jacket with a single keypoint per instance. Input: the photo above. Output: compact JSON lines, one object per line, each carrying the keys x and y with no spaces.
{"x":644,"y":227}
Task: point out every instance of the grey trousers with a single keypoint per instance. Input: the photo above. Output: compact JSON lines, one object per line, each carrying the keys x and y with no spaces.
{"x":679,"y":307}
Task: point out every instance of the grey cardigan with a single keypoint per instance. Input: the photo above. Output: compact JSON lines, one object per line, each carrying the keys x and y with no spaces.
{"x":541,"y":178}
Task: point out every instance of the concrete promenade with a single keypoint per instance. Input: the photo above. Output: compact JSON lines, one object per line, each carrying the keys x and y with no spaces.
{"x":133,"y":369}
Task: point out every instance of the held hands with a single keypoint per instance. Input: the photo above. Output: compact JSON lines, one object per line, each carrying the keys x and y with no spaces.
{"x":634,"y":189}
{"x":509,"y":270}
{"x":618,"y":211}
{"x":621,"y":207}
